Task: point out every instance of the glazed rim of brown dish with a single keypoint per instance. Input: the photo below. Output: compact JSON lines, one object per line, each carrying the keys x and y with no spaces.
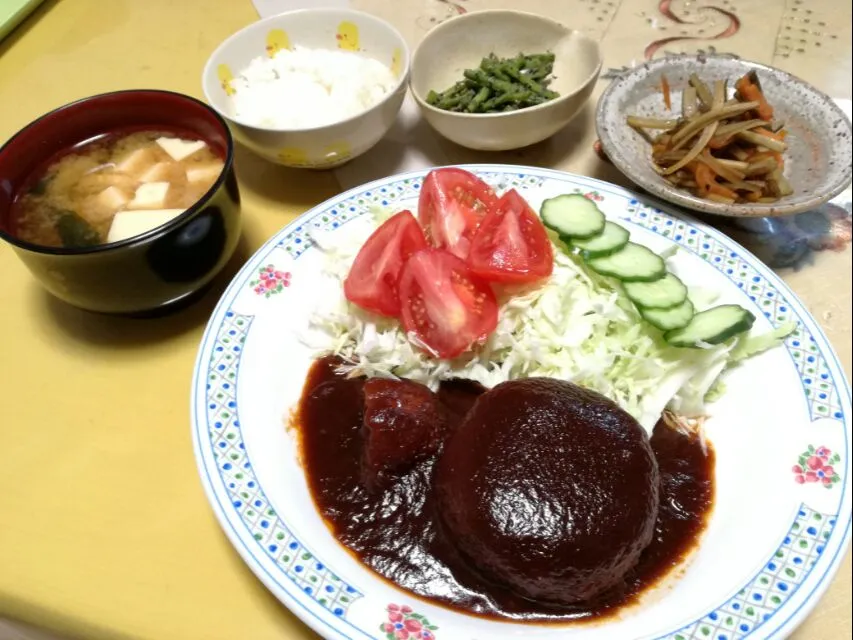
{"x":830,"y":128}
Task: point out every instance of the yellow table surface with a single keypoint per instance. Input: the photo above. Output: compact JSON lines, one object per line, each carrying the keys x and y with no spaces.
{"x":104,"y":528}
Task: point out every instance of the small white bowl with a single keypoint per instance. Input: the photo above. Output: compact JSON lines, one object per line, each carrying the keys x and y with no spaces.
{"x":321,"y":147}
{"x":461,"y":43}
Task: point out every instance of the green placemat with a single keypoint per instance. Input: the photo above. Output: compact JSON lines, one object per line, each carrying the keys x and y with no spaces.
{"x":12,"y":12}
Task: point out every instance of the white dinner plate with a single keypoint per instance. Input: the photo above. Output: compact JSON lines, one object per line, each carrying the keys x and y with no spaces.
{"x":777,"y":532}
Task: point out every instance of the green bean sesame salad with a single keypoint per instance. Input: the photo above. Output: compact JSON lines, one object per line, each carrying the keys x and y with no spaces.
{"x":500,"y":84}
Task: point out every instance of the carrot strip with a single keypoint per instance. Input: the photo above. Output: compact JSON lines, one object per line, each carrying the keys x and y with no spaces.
{"x":667,"y":94}
{"x":704,"y":176}
{"x":720,"y":142}
{"x":752,"y":93}
{"x":720,"y":190}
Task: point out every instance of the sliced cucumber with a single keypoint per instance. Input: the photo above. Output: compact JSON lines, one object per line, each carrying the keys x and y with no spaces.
{"x":612,"y":238}
{"x":712,"y":326}
{"x":665,"y":293}
{"x":668,"y":319}
{"x":573,"y":216}
{"x":632,"y":263}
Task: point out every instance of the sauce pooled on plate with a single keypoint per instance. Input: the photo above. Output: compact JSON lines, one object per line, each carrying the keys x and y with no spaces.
{"x":392,"y":523}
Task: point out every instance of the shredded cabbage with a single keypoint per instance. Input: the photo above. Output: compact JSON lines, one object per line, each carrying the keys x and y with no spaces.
{"x":752,"y":345}
{"x":575,"y":326}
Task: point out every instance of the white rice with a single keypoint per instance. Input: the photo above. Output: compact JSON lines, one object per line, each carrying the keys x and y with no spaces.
{"x":302,"y":88}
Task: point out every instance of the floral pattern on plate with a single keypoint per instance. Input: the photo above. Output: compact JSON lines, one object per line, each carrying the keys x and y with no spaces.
{"x":816,"y":465}
{"x":270,"y":281}
{"x":404,"y":624}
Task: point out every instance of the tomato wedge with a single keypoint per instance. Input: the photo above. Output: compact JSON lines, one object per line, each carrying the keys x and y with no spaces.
{"x":451,"y":205}
{"x":444,"y":305}
{"x":375,"y":272}
{"x":511,"y":244}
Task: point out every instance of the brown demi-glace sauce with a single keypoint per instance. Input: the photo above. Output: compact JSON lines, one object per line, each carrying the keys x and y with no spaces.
{"x":395,"y":530}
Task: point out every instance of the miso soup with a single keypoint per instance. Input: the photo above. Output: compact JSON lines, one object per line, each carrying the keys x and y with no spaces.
{"x":115,"y":187}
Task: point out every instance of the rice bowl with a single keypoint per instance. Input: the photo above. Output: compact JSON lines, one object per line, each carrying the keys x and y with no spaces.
{"x":311,"y":145}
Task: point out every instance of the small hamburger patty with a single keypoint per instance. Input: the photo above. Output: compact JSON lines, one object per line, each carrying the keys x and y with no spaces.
{"x":549,"y":489}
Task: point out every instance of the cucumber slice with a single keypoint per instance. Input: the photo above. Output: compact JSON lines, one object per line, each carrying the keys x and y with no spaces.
{"x":573,"y":216}
{"x":668,"y":319}
{"x":632,"y":263}
{"x":712,"y":326}
{"x":665,"y":293}
{"x":612,"y":238}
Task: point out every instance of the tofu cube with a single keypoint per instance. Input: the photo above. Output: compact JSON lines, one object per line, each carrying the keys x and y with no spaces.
{"x":136,"y":162}
{"x":180,"y":149}
{"x":208,"y":172}
{"x":128,"y":224}
{"x":112,"y":199}
{"x":99,"y":181}
{"x":156,"y":173}
{"x":103,"y":205}
{"x":151,"y":195}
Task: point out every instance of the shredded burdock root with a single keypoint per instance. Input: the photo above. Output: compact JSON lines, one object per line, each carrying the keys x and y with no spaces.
{"x":724,"y":150}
